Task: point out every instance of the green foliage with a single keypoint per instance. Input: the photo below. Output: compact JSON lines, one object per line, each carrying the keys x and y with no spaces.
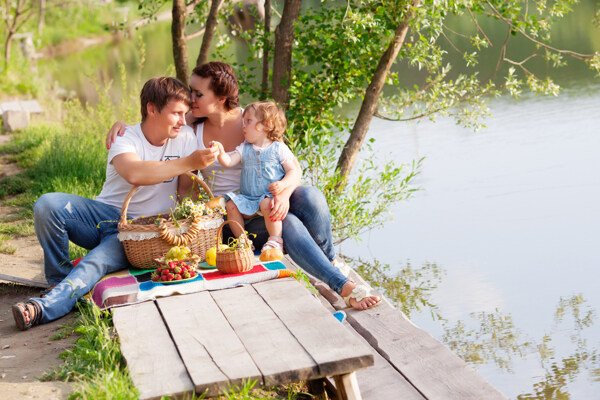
{"x":303,"y":278}
{"x":14,"y":83}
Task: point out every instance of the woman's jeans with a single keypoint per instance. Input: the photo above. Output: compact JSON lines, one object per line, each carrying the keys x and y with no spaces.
{"x":60,"y":218}
{"x":307,"y":235}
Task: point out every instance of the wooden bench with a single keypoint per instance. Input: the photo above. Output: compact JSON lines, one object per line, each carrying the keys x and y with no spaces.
{"x":274,"y":332}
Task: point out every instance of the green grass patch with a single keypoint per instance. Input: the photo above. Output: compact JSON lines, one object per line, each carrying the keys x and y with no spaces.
{"x":95,"y":363}
{"x":66,"y":330}
{"x":21,"y":228}
{"x":7,"y":249}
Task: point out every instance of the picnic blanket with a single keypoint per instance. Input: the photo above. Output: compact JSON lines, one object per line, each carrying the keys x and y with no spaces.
{"x":135,"y":286}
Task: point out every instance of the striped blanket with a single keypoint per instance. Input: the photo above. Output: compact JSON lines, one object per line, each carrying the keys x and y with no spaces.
{"x":134,"y":286}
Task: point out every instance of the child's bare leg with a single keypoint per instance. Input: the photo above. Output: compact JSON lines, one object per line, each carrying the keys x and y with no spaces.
{"x":275,"y":228}
{"x":233,"y":214}
{"x":273,"y":249}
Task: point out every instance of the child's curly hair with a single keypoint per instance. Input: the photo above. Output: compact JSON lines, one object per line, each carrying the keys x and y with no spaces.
{"x":272,"y":118}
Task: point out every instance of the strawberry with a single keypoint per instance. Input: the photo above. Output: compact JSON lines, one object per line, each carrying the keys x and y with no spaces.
{"x":165,"y":271}
{"x":164,"y":278}
{"x":178,"y":277}
{"x":187,"y":275}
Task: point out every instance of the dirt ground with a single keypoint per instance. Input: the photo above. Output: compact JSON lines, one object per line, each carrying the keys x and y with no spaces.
{"x":25,"y":356}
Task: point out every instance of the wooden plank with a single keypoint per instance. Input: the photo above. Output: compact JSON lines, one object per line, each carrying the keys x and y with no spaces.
{"x":23,"y":281}
{"x":335,"y":350}
{"x":211,"y":350}
{"x":382,"y":380}
{"x":426,"y":363}
{"x":154,"y":365}
{"x":276,"y":352}
{"x":347,"y":387}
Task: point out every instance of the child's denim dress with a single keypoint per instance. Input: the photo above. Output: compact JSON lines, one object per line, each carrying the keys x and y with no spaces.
{"x":259,"y":170}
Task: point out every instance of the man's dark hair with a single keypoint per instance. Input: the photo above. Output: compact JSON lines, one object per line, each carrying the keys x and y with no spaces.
{"x":159,"y":91}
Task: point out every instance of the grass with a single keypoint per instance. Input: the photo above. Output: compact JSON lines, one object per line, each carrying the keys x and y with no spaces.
{"x":95,"y":364}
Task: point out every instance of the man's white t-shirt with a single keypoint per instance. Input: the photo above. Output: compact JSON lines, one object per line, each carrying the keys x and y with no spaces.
{"x":147,"y":200}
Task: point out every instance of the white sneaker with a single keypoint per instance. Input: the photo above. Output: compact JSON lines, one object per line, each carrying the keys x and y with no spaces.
{"x":342,"y":266}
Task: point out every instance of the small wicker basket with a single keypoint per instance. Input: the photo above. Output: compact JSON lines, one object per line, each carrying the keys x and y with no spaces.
{"x":197,"y":233}
{"x":233,"y":262}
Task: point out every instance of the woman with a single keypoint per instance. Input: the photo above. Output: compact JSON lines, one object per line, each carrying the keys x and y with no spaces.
{"x":303,"y":209}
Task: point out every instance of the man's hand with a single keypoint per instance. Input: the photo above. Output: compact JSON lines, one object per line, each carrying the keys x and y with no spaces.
{"x":202,"y":158}
{"x":118,"y":129}
{"x":276,"y":188}
{"x":279,"y":208}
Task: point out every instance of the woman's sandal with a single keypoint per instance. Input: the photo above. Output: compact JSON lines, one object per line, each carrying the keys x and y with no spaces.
{"x":272,"y":250}
{"x":22,"y":310}
{"x":359,"y":293}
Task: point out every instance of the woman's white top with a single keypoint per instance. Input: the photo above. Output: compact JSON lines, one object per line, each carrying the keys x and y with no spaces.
{"x":219,"y":179}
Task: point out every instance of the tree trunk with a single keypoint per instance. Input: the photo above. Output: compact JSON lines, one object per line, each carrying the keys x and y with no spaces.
{"x":369,"y":104}
{"x":209,"y":31}
{"x":266,"y":45}
{"x":179,"y":41}
{"x":41,"y":16}
{"x":282,"y":57}
{"x":7,"y":44}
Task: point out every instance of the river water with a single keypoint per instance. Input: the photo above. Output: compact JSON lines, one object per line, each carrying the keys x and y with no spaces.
{"x":511,"y":216}
{"x":506,"y":226}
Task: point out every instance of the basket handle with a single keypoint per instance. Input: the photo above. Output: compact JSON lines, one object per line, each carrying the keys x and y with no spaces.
{"x":220,"y":232}
{"x":133,"y":190}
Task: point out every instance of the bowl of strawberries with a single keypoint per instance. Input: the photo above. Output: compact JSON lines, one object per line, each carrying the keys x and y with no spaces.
{"x":177,"y":266}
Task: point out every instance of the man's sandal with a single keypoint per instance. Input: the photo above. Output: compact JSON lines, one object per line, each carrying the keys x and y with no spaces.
{"x":31,"y":310}
{"x":359,"y":293}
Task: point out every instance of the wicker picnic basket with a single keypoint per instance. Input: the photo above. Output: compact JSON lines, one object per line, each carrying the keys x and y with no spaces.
{"x":233,"y":262}
{"x":147,"y":238}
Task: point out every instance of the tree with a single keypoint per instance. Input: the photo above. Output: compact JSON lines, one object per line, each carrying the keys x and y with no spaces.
{"x":371,"y":97}
{"x":282,"y":58}
{"x":16,"y":14}
{"x":209,"y":31}
{"x":266,"y":46}
{"x":179,"y":41}
{"x":361,"y":53}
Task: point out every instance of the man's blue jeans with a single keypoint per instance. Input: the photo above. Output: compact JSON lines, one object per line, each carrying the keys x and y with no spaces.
{"x":307,"y":236}
{"x":60,"y":218}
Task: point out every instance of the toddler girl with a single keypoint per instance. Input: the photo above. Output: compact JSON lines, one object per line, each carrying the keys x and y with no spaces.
{"x":268,"y":168}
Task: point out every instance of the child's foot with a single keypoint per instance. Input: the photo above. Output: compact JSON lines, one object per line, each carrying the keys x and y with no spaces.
{"x":272,"y":250}
{"x":358,"y":297}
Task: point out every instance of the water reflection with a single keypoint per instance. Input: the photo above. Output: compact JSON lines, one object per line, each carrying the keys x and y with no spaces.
{"x":492,"y":337}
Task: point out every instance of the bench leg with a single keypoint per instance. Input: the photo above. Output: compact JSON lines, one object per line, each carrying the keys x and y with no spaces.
{"x":347,"y":387}
{"x":316,"y":387}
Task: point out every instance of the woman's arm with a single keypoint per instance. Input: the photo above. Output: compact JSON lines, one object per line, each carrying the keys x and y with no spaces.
{"x":118,"y":129}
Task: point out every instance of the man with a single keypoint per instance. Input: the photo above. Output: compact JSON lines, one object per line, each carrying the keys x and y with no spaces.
{"x":152,"y":154}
